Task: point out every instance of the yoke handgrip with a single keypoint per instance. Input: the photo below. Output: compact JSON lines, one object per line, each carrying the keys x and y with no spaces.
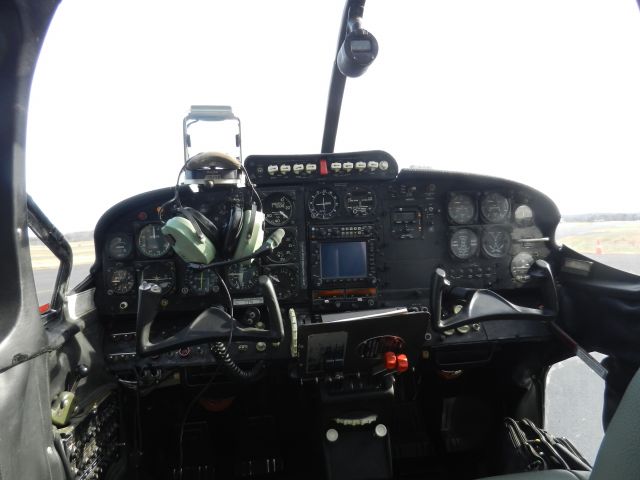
{"x":273,"y":306}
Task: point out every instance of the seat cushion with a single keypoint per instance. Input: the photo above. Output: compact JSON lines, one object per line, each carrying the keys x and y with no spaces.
{"x":544,"y":475}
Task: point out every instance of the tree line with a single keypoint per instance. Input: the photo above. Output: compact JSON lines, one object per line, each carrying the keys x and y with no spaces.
{"x":601,"y":217}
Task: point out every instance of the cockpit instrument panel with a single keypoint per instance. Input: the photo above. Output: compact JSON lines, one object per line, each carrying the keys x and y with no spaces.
{"x":357,"y":235}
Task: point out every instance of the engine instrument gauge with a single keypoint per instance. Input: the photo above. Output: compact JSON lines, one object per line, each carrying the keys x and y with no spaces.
{"x":360,"y":202}
{"x":523,"y":216}
{"x":120,"y":246}
{"x":461,"y":208}
{"x":496,"y":242}
{"x":242,"y":276}
{"x":162,"y":274}
{"x":494,"y":208}
{"x":151,"y":242}
{"x":463,"y":243}
{"x":287,"y":248}
{"x":121,"y":280}
{"x":201,"y":282}
{"x":278,"y":209}
{"x":285,"y":281}
{"x":323,"y":204}
{"x":520,"y":265}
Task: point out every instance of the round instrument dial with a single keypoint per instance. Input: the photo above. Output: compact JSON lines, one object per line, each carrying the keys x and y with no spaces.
{"x":287,"y":248}
{"x":151,"y":241}
{"x":120,"y":246}
{"x":496,"y":242}
{"x":494,"y":208}
{"x":162,"y":274}
{"x":278,"y":209}
{"x":242,"y":276}
{"x":360,"y":202}
{"x":201,"y":282}
{"x":523,"y":216}
{"x":323,"y":204}
{"x":463,"y":243}
{"x":520,"y":265}
{"x":285,"y":281}
{"x":461,"y":208}
{"x":121,"y":280}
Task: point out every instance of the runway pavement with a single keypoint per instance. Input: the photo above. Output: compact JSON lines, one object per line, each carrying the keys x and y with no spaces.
{"x":45,"y":280}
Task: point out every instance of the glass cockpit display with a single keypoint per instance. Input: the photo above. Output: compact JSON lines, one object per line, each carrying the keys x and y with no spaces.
{"x":343,"y":260}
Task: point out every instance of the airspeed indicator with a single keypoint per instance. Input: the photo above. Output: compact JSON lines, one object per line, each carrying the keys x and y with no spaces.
{"x":278,"y":209}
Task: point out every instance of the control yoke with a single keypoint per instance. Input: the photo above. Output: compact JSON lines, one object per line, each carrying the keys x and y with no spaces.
{"x":212,"y":325}
{"x":483,"y":305}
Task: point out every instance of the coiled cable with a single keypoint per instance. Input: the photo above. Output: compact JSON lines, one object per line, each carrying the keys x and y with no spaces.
{"x":221,"y":353}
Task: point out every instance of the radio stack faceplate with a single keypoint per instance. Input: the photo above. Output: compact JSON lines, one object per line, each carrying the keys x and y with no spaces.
{"x":343,"y":266}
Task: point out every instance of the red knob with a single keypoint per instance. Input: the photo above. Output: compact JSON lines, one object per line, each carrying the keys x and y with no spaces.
{"x":403,"y":363}
{"x":390,"y":361}
{"x":323,"y":168}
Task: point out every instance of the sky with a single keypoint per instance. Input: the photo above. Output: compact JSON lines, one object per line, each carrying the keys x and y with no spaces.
{"x":542,"y":92}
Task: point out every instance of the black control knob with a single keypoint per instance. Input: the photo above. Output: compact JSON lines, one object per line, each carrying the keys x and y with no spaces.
{"x":81,"y":370}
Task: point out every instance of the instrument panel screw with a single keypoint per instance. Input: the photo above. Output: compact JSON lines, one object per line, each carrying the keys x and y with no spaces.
{"x":381,"y":430}
{"x":332,"y":435}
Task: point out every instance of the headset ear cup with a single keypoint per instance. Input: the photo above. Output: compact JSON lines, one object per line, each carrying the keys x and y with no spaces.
{"x":209,"y":228}
{"x":232,"y":233}
{"x":251,"y":234}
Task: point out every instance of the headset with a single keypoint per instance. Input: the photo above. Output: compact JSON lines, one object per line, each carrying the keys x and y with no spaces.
{"x":195,"y":238}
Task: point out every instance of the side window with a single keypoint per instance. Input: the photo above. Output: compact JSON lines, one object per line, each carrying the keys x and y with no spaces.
{"x":573,"y":404}
{"x":51,"y":259}
{"x":611,"y":239}
{"x":46,"y":265}
{"x":45,"y":270}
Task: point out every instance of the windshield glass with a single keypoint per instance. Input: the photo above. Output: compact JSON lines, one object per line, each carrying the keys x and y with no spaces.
{"x":543,"y":93}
